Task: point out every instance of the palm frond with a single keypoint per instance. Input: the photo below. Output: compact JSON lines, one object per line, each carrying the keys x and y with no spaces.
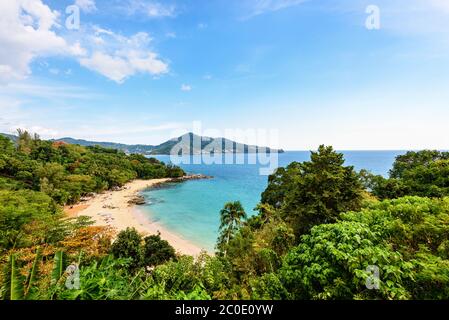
{"x":13,"y":281}
{"x":32,"y":275}
{"x":58,"y":267}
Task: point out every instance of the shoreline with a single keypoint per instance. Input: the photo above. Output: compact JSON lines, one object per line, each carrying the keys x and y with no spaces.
{"x":111,"y":208}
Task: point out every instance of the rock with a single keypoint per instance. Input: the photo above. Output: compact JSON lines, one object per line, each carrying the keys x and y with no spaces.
{"x":192,"y":177}
{"x":107,"y":206}
{"x":137,"y":200}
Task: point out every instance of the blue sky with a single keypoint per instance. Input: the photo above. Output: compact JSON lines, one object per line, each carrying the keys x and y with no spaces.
{"x":142,"y":71}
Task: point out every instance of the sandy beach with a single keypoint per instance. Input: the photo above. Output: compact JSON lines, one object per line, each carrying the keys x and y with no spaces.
{"x":111,"y":208}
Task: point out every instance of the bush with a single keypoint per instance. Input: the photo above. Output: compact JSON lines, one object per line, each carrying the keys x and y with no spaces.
{"x":405,"y":238}
{"x":156,"y":251}
{"x":424,"y":173}
{"x":127,"y":245}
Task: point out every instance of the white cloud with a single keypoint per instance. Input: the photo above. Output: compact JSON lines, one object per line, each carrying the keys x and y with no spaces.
{"x":442,"y":4}
{"x":186,"y":88}
{"x":77,"y":50}
{"x":41,"y":131}
{"x":171,"y":35}
{"x":118,"y":57}
{"x":98,"y":31}
{"x":14,"y":116}
{"x":50,"y":91}
{"x":259,"y":7}
{"x":27,"y":30}
{"x":114,"y":68}
{"x":112,"y":129}
{"x":151,"y":9}
{"x":86,"y":5}
{"x":9,"y":110}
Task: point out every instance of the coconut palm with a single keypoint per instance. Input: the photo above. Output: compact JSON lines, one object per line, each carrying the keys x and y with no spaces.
{"x":231,"y":218}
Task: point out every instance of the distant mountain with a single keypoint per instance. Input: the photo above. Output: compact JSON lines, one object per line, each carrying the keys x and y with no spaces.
{"x":10,"y":136}
{"x":188,"y":143}
{"x":134,"y":148}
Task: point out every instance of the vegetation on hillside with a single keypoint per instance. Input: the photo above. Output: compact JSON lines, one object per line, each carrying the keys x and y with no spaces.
{"x":424,"y":174}
{"x":188,"y":143}
{"x":66,"y":172}
{"x":321,"y":230}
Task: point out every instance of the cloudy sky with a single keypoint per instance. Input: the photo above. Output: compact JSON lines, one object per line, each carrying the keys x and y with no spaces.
{"x":140,"y":71}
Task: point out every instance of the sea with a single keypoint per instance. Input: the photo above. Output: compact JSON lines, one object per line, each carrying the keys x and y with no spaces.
{"x":191,"y":209}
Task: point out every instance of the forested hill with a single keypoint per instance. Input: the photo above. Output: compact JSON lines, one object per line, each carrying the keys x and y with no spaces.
{"x":208,"y":144}
{"x":10,"y":136}
{"x":65,"y":172}
{"x":135,"y":148}
{"x":188,"y":142}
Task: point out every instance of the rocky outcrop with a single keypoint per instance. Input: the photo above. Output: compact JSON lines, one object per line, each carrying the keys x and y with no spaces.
{"x":137,"y":200}
{"x":192,"y":177}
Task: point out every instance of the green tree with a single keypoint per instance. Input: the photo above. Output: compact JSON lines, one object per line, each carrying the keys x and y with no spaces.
{"x":412,"y":159}
{"x":6,"y":146}
{"x":24,"y":141}
{"x":231,"y":219}
{"x":405,"y":238}
{"x":156,"y":251}
{"x":279,"y":183}
{"x":128,"y":245}
{"x":320,"y":189}
{"x":424,"y":173}
{"x":18,"y":210}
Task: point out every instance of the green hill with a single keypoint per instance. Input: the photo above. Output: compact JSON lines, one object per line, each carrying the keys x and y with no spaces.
{"x":137,"y":148}
{"x":186,"y":144}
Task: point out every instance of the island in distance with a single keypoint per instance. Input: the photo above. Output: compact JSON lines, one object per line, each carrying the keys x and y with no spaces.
{"x":183,"y":143}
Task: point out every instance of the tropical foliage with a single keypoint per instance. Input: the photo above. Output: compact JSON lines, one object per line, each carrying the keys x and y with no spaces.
{"x":424,"y":174}
{"x":231,"y":218}
{"x":323,"y":231}
{"x":67,"y":172}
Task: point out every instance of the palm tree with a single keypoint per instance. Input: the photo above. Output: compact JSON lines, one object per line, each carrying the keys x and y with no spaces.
{"x":231,"y":218}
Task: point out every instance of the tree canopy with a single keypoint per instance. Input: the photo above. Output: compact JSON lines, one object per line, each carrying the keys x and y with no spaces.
{"x":424,"y":173}
{"x":315,"y":191}
{"x":323,"y":231}
{"x":66,"y":172}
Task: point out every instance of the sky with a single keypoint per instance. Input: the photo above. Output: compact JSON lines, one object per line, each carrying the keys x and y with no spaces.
{"x":300,"y":72}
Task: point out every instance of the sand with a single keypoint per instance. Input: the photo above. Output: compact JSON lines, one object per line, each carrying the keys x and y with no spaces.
{"x":111,"y":208}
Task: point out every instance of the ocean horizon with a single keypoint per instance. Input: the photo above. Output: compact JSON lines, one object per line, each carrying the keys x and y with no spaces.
{"x":191,"y":209}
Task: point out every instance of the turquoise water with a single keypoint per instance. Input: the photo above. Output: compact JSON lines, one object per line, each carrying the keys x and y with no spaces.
{"x":191,"y":209}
